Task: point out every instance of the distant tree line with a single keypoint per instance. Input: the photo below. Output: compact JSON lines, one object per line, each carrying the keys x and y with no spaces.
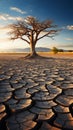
{"x":56,"y":50}
{"x":70,"y":50}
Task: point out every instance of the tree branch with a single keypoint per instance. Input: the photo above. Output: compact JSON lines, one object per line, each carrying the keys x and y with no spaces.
{"x":29,"y":30}
{"x":25,"y":40}
{"x":50,"y":32}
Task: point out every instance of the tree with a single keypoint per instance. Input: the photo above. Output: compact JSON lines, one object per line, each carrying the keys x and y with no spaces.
{"x":32,"y":30}
{"x":55,"y":50}
{"x":70,"y":50}
{"x":60,"y":50}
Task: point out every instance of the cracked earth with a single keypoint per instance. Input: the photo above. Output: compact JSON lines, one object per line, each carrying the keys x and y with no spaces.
{"x":36,"y":94}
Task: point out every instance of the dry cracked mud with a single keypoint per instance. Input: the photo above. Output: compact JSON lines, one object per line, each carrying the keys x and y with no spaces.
{"x":36,"y":94}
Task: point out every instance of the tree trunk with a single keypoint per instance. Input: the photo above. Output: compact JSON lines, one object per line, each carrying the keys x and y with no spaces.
{"x":32,"y":50}
{"x":33,"y":54}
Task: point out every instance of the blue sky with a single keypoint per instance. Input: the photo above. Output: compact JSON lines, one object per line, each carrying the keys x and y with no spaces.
{"x":60,"y":11}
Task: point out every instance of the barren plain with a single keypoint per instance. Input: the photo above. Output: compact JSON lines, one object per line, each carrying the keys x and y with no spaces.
{"x":36,"y":94}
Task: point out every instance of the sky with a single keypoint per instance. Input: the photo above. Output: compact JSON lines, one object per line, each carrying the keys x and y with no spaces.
{"x":60,"y":11}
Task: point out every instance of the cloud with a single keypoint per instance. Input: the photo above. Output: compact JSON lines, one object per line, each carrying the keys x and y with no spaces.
{"x":69,"y":39}
{"x":6,"y":17}
{"x":14,"y":18}
{"x":4,"y":32}
{"x":2,"y":17}
{"x":70,"y":27}
{"x":3,"y":39}
{"x":68,"y":45}
{"x":18,"y":10}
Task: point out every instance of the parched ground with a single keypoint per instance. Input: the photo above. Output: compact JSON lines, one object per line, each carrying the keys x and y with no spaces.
{"x":36,"y":94}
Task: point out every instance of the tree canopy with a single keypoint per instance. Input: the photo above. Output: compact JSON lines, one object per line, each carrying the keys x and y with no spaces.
{"x":31,"y":30}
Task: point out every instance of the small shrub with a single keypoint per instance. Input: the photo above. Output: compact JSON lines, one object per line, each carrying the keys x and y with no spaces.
{"x":55,"y":50}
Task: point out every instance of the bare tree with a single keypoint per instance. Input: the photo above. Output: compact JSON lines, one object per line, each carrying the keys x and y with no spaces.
{"x":32,"y":30}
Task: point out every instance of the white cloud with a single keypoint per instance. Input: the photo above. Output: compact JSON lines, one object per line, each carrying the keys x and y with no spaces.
{"x":70,"y":27}
{"x":69,"y":45}
{"x":63,"y":45}
{"x":14,"y":18}
{"x":18,"y":10}
{"x":2,"y":17}
{"x":69,"y":39}
{"x":6,"y":17}
{"x":4,"y":33}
